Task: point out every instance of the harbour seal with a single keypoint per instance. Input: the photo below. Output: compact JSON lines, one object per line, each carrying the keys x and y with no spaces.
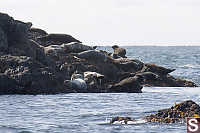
{"x":37,"y":30}
{"x":119,"y":52}
{"x":58,"y":38}
{"x":93,"y":55}
{"x":76,"y":83}
{"x":93,"y":77}
{"x":129,"y":85}
{"x":156,"y":69}
{"x":75,"y":47}
{"x":148,"y":76}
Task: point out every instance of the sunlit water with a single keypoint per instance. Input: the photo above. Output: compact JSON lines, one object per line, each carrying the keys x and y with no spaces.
{"x":85,"y":113}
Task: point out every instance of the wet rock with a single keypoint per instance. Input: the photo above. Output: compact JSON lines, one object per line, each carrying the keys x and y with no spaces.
{"x":176,"y":113}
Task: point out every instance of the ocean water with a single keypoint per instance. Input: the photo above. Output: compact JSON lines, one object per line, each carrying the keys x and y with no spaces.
{"x":88,"y":113}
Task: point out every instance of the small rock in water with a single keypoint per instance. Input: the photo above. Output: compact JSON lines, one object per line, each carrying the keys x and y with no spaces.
{"x":176,"y":113}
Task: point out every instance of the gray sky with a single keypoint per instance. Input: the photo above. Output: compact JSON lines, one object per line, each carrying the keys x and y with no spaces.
{"x":107,"y":22}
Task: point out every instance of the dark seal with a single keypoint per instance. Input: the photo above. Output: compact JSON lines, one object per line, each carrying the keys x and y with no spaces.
{"x":119,"y":52}
{"x":129,"y":85}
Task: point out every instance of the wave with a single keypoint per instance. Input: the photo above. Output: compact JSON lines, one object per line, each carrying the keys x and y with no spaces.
{"x":190,"y":66}
{"x":135,"y":122}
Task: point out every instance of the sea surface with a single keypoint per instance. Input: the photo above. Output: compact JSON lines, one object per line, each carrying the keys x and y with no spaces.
{"x":89,"y":113}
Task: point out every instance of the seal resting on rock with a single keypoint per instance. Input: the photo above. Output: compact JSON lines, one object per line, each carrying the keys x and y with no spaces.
{"x":93,"y":55}
{"x":119,"y":52}
{"x":37,"y":30}
{"x":75,"y":47}
{"x":129,"y":85}
{"x":156,"y":69}
{"x":58,"y":38}
{"x":148,"y":76}
{"x":76,"y":83}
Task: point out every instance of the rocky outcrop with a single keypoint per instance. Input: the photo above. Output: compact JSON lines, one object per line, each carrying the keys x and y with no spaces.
{"x":30,"y":76}
{"x":177,"y":113}
{"x":33,"y":61}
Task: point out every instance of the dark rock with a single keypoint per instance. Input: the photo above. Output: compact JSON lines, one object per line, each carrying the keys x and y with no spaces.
{"x":30,"y":75}
{"x":3,"y":41}
{"x":169,"y":81}
{"x":30,"y":49}
{"x":7,"y":84}
{"x":176,"y":113}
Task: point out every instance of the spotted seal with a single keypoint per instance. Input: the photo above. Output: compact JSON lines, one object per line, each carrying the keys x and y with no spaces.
{"x":75,"y":47}
{"x":58,"y":38}
{"x":148,"y":76}
{"x":118,"y":52}
{"x":76,"y":83}
{"x":156,"y":69}
{"x":130,"y":85}
{"x":93,"y":55}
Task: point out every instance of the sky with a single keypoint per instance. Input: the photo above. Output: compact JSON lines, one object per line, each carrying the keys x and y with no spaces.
{"x":108,"y":22}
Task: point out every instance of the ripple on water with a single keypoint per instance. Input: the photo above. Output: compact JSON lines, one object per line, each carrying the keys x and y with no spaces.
{"x":83,"y":112}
